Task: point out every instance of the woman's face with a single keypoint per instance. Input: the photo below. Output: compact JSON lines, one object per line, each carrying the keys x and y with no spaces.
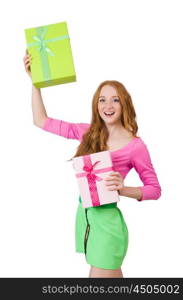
{"x":109,"y":106}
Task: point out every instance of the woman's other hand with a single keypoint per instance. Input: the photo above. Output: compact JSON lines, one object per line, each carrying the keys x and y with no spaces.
{"x":27,"y":62}
{"x":114,"y":181}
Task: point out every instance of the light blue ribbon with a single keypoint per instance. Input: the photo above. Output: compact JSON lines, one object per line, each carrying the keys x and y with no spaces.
{"x":44,"y":50}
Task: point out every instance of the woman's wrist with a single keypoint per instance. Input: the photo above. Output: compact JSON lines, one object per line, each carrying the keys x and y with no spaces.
{"x":131,"y":192}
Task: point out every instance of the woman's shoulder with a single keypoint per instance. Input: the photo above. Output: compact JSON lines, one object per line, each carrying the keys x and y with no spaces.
{"x":82,"y":128}
{"x":139,"y":150}
{"x":139,"y":144}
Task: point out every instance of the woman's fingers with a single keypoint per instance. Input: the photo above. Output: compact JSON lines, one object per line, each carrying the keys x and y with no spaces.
{"x":27,"y":61}
{"x":115,"y":174}
{"x":114,"y":181}
{"x":27,"y":55}
{"x":114,"y":177}
{"x":111,"y":181}
{"x":27,"y":58}
{"x":113,"y":188}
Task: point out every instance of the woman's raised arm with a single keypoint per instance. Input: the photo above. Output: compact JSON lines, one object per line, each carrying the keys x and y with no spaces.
{"x":38,"y":109}
{"x":65,"y":129}
{"x":40,"y":118}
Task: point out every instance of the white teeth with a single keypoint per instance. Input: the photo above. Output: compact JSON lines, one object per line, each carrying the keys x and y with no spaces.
{"x":109,"y":113}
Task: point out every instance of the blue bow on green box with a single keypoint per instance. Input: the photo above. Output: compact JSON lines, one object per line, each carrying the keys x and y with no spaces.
{"x":44,"y":50}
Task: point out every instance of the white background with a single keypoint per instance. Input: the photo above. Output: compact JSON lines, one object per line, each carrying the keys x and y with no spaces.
{"x":136,"y":42}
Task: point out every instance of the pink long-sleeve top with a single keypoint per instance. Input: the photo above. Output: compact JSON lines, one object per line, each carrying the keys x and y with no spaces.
{"x":135,"y":155}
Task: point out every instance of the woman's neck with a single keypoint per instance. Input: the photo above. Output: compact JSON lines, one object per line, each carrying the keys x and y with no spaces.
{"x":116,"y":130}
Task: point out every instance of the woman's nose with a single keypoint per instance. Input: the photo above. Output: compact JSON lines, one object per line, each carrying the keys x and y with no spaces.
{"x":108,"y":105}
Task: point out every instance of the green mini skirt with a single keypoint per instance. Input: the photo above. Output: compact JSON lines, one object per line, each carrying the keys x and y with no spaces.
{"x":102,"y":234}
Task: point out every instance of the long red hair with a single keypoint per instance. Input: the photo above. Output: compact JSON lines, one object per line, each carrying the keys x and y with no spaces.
{"x":95,"y":138}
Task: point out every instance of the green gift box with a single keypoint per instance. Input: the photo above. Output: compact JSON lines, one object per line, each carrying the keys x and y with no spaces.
{"x":52,"y":61}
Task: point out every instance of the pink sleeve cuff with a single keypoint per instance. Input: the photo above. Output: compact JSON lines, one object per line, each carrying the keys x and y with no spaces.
{"x":150,"y":192}
{"x":45,"y":125}
{"x":141,"y":188}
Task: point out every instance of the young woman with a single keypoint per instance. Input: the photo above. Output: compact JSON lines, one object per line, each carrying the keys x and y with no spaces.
{"x":101,"y":232}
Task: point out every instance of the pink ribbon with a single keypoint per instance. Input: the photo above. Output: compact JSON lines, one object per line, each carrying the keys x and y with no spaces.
{"x":89,"y":170}
{"x":92,"y":178}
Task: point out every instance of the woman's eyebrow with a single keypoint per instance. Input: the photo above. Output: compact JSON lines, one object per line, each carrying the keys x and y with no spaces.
{"x":112,"y":96}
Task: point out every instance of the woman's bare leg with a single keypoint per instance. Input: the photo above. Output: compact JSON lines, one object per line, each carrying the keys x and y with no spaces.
{"x":104,"y":273}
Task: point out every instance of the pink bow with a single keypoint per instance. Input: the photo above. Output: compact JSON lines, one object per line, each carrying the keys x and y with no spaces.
{"x":89,"y":168}
{"x":91,"y":176}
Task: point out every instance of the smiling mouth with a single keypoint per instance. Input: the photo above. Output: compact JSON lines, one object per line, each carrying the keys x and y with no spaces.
{"x":109,"y":114}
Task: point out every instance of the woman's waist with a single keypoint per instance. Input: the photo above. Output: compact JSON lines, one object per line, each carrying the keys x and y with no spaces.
{"x":108,"y":205}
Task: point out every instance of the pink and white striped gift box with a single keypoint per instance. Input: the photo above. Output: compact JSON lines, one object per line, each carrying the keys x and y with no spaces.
{"x":90,"y":171}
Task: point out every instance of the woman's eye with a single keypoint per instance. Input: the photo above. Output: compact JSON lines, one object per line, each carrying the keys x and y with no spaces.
{"x":116,"y":99}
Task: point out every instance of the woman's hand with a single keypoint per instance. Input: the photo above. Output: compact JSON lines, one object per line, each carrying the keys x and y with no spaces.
{"x":114,"y":181}
{"x":27,"y":62}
